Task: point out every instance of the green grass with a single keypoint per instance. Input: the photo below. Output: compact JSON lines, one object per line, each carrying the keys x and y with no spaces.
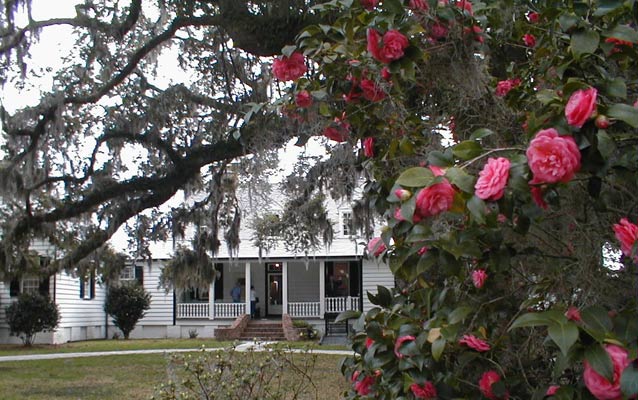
{"x":119,"y":377}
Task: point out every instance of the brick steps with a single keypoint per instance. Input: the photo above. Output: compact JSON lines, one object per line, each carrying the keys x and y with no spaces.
{"x":271,"y":331}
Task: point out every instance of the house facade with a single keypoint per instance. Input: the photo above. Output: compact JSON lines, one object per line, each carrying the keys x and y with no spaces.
{"x":311,"y":286}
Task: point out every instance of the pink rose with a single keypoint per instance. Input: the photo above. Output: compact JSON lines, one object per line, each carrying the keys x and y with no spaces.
{"x":599,"y":386}
{"x":493,"y":179}
{"x":369,"y":4}
{"x":533,"y":17}
{"x":485,"y":385}
{"x":303,"y":99}
{"x":371,"y":91}
{"x":362,"y":387}
{"x":435,"y":199}
{"x":504,"y":87}
{"x":289,"y":68}
{"x":425,"y":391}
{"x":552,"y":390}
{"x":418,"y":5}
{"x":580,"y":107}
{"x":552,"y":158}
{"x":627,"y":235}
{"x":529,"y":40}
{"x":368,"y":147}
{"x":399,"y":342}
{"x":474,"y":343}
{"x":479,"y":276}
{"x":392,"y":48}
{"x":376,"y":246}
{"x":573,"y":314}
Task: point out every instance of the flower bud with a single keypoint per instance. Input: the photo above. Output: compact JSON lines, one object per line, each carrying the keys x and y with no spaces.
{"x":602,"y":122}
{"x":403,"y":194}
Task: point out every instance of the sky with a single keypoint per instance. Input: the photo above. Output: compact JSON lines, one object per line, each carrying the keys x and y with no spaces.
{"x":55,"y":42}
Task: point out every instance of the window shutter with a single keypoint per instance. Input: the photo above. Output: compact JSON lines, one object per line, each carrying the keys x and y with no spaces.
{"x":92,"y":285}
{"x":219,"y":282}
{"x":139,"y":274}
{"x":82,"y":287}
{"x":43,"y":289}
{"x":14,"y":287}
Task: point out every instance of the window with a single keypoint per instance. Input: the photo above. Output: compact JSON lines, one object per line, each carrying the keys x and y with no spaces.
{"x":132,"y":273}
{"x":342,"y":279}
{"x":346,"y":223}
{"x":219,"y":282}
{"x":29,"y":285}
{"x":87,"y":286}
{"x":193,"y":295}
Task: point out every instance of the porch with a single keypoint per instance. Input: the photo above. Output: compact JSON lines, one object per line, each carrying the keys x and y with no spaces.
{"x":297,"y":288}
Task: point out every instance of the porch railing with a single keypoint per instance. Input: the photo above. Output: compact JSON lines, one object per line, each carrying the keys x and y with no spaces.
{"x":228,"y":310}
{"x":192,"y":310}
{"x":304,"y":309}
{"x":339,"y":304}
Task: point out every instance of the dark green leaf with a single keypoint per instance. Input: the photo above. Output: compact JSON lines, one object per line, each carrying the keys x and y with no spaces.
{"x":564,"y":335}
{"x":623,"y":32}
{"x":437,"y":348}
{"x":477,"y":208}
{"x":598,"y":358}
{"x":596,"y":317}
{"x":459,"y":314}
{"x":384,"y":296}
{"x":616,"y":88}
{"x":467,"y":150}
{"x":461,"y":179}
{"x":625,"y":113}
{"x":394,"y":6}
{"x":629,"y":380}
{"x":568,"y":21}
{"x":607,"y":6}
{"x":481,"y":133}
{"x":584,"y":42}
{"x":416,"y":177}
{"x":288,"y":50}
{"x":536,"y":319}
{"x":606,"y":145}
{"x":346,"y":315}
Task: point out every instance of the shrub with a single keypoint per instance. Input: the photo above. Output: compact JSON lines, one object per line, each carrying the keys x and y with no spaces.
{"x":233,"y":375}
{"x":30,"y":314}
{"x":127,"y":304}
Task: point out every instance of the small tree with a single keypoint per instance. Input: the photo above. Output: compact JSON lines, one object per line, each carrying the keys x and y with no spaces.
{"x":127,"y":304}
{"x":30,"y":314}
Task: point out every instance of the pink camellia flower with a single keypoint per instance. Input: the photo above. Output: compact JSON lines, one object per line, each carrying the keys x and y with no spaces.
{"x":533,"y":17}
{"x":599,"y":386}
{"x":438,"y":31}
{"x":403,"y":194}
{"x":418,"y":5}
{"x":425,"y":391}
{"x":580,"y":107}
{"x":335,"y":133}
{"x":529,"y":40}
{"x":289,"y":68}
{"x":369,"y":342}
{"x":371,"y":91}
{"x":552,"y":390}
{"x":552,"y":158}
{"x":399,"y":343}
{"x":376,"y":246}
{"x":435,"y":199}
{"x":303,"y":99}
{"x":385,"y":74}
{"x":474,"y":343}
{"x":392,"y":48}
{"x":492,"y":179}
{"x":627,"y":235}
{"x":465,"y":5}
{"x":369,"y":4}
{"x":504,"y":87}
{"x":422,"y":250}
{"x":479,"y":276}
{"x":416,"y":218}
{"x":368,"y":147}
{"x":573,"y":314}
{"x":437,"y":171}
{"x":537,"y":196}
{"x":362,"y":387}
{"x":485,"y":385}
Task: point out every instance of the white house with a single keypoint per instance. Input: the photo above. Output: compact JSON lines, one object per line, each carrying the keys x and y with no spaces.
{"x":306,"y":286}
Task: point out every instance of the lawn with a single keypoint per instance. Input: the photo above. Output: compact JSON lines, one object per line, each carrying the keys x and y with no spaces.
{"x":120,"y":377}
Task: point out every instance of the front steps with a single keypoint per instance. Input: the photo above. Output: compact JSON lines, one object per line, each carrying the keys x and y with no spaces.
{"x":263,"y":331}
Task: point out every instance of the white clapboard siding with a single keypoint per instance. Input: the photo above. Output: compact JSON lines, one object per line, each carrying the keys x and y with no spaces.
{"x":375,"y":274}
{"x":76,"y":312}
{"x":161,"y":311}
{"x":303,"y":281}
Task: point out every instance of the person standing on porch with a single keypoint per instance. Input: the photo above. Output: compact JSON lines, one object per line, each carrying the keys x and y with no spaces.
{"x":253,"y":301}
{"x":235,"y":293}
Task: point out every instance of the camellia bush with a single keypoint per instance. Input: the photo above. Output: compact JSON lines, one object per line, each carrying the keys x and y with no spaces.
{"x":499,"y":140}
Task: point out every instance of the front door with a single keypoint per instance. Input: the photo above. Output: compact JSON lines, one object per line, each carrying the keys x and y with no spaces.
{"x":275,"y":297}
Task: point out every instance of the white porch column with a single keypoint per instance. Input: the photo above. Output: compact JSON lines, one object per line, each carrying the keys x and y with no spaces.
{"x":211,"y":299}
{"x":247,"y":289}
{"x":322,"y":288}
{"x":284,"y":284}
